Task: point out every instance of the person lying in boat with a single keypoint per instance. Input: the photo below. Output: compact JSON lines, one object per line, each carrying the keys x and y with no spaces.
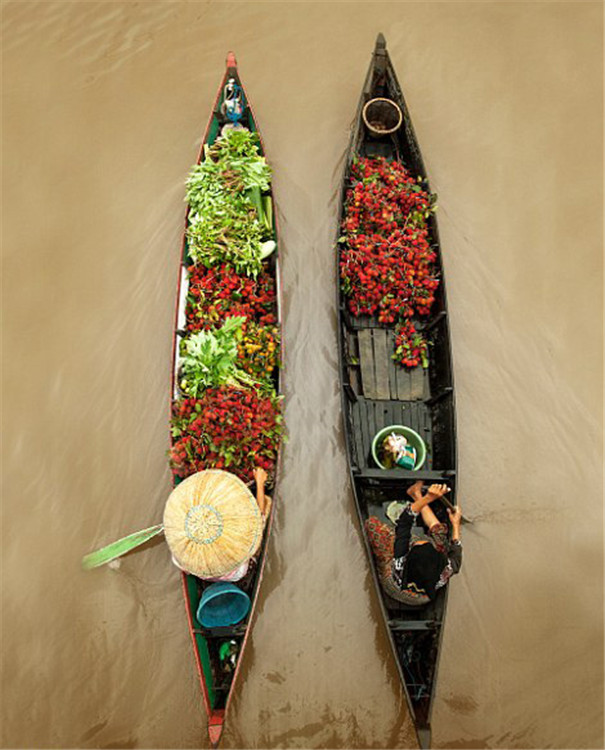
{"x":414,"y":565}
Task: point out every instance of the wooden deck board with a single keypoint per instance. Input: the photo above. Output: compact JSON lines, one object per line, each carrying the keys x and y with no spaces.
{"x":402,"y":377}
{"x":381,"y":377}
{"x":390,"y":414}
{"x":381,"y":364}
{"x":393,"y":368}
{"x":368,"y":416}
{"x":412,"y":418}
{"x":364,"y":426}
{"x":356,"y":420}
{"x":417,"y":383}
{"x":366,"y":361}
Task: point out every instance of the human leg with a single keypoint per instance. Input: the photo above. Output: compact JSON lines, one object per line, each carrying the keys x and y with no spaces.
{"x":381,"y":537}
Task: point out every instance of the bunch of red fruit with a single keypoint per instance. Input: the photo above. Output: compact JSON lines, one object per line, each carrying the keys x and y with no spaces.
{"x":386,"y":262}
{"x":219,"y":292}
{"x":227,"y":428}
{"x":411,"y":348}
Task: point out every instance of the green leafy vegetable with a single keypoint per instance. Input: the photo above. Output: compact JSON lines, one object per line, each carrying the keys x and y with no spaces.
{"x":227,"y":220}
{"x":209,"y":359}
{"x":227,"y":233}
{"x":231,"y":164}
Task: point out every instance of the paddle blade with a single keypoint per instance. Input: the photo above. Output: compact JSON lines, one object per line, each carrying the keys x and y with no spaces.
{"x":120,"y":547}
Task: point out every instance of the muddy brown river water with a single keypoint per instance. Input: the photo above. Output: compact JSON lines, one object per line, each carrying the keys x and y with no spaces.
{"x":104,"y":105}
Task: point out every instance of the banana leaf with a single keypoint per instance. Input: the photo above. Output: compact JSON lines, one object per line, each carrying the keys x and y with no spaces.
{"x":255,"y":198}
{"x":120,"y":547}
{"x":267,"y":211}
{"x":263,"y":205}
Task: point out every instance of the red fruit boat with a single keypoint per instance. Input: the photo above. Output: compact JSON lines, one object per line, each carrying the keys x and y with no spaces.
{"x":218,"y":651}
{"x":394,"y":375}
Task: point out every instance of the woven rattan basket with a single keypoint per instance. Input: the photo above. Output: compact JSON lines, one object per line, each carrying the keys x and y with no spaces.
{"x":382,"y":116}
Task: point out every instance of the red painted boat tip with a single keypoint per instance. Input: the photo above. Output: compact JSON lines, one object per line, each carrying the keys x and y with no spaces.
{"x":214,"y":732}
{"x":231,"y":61}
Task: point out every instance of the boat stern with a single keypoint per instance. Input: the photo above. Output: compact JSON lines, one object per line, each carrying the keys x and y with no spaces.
{"x":215,"y":727}
{"x":424,"y":736}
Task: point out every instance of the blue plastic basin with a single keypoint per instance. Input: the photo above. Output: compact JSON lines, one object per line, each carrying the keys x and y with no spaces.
{"x":222,"y":604}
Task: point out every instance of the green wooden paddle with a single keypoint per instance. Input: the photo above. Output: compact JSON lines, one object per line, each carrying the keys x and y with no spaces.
{"x":120,"y":547}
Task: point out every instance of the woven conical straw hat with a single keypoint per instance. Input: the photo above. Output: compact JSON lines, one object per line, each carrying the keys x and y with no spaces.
{"x":212,"y":523}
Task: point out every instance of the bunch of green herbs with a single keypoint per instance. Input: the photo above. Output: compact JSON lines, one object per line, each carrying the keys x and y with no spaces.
{"x":227,"y":219}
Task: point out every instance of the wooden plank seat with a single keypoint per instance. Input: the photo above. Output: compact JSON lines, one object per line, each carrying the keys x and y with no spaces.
{"x":399,"y":613}
{"x":413,"y":624}
{"x":394,"y":476}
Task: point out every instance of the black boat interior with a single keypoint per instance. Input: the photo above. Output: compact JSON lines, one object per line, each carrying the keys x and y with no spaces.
{"x":378,"y":392}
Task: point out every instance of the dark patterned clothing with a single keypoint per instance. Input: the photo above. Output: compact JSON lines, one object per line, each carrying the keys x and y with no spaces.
{"x":423,"y":568}
{"x":382,"y":537}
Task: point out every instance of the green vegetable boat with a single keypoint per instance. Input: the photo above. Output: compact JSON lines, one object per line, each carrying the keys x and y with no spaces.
{"x":226,"y":381}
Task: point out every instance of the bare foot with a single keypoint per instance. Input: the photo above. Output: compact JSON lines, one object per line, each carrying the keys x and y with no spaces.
{"x":436,"y":490}
{"x":415,"y":491}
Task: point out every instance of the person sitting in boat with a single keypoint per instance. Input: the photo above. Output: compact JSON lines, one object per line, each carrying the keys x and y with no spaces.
{"x":264,"y":504}
{"x":414,"y":565}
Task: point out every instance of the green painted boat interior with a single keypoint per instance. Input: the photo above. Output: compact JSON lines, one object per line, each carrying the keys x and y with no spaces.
{"x":201,"y":644}
{"x":210,"y":642}
{"x":218,"y":676}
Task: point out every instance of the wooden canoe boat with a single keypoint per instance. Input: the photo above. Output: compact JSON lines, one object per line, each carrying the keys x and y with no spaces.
{"x":377,"y":392}
{"x":217,"y":682}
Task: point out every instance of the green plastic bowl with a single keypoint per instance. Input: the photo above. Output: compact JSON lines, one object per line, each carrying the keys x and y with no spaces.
{"x":410,"y":435}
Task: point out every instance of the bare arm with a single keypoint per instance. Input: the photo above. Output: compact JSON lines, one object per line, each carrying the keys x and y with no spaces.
{"x":456,"y":521}
{"x":260,"y":477}
{"x":433,"y":492}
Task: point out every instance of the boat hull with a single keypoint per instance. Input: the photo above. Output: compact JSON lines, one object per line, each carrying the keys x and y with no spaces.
{"x":377,"y":393}
{"x":217,"y":696}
